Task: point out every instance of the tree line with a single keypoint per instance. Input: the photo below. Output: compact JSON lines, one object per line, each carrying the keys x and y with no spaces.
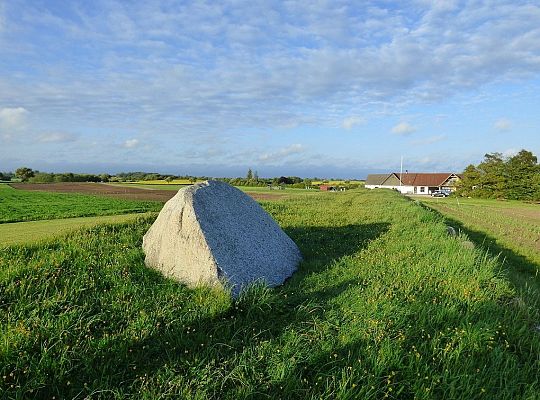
{"x":252,"y":178}
{"x":515,"y":178}
{"x":26,"y":174}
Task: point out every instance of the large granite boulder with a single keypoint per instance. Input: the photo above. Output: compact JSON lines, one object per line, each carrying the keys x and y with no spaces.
{"x":212,"y":233}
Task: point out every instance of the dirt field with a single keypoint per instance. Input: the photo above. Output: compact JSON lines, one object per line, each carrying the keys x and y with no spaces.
{"x":123,"y":192}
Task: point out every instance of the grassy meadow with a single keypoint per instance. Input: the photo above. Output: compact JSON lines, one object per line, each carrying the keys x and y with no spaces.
{"x":384,"y":305}
{"x":20,"y":205}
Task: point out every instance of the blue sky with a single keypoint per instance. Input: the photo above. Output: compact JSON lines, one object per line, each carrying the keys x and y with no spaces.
{"x":312,"y":88}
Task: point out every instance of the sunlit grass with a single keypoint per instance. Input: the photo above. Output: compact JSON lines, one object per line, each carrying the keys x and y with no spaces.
{"x":385,"y":305}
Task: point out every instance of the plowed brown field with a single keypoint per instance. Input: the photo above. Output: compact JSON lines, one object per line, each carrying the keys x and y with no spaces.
{"x":123,"y":192}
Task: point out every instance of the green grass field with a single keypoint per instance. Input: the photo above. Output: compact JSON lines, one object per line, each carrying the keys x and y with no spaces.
{"x":21,"y":205}
{"x":385,"y":305}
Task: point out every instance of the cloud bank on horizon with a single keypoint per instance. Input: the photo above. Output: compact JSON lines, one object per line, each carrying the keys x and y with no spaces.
{"x":285,"y":87}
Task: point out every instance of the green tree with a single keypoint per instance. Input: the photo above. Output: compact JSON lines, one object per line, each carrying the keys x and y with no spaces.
{"x":520,"y":175}
{"x":24,"y":173}
{"x":42,"y":177}
{"x":536,"y":184}
{"x":249,"y":175}
{"x":169,"y":179}
{"x":516,"y":177}
{"x":492,"y":180}
{"x":469,"y":181}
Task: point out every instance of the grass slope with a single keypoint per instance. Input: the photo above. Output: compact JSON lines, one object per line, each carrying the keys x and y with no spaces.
{"x":35,"y":231}
{"x":20,"y":205}
{"x":384,"y":305}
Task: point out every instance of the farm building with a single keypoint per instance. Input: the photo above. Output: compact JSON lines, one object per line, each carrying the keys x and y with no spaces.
{"x":327,"y":188}
{"x":412,"y":182}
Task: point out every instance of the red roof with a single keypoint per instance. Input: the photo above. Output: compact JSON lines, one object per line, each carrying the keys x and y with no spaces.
{"x":424,"y":179}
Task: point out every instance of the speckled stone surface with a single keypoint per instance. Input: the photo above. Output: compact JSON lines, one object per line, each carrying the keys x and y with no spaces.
{"x":213,"y":233}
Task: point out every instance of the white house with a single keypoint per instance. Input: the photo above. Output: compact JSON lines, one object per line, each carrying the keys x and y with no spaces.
{"x":413,"y":182}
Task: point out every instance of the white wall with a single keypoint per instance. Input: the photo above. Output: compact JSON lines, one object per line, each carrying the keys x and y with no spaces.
{"x":403,"y":189}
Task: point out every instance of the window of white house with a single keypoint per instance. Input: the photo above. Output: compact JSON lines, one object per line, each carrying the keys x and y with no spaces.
{"x":422,"y":189}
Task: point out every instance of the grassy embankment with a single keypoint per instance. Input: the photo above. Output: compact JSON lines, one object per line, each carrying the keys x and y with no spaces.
{"x":385,"y":304}
{"x":21,"y":205}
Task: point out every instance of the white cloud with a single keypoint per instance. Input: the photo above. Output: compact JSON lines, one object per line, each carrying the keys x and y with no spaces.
{"x":12,"y":122}
{"x":131,"y":143}
{"x":403,"y":129}
{"x":502,"y":125}
{"x":226,"y":74}
{"x":351,"y":122}
{"x":199,"y":69}
{"x":13,"y":118}
{"x":282,"y":154}
{"x":56,"y":137}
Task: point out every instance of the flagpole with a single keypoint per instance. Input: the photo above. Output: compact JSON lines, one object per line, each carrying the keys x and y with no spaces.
{"x":401,"y":172}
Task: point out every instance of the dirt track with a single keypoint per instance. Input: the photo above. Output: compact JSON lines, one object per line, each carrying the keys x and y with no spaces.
{"x":123,"y":192}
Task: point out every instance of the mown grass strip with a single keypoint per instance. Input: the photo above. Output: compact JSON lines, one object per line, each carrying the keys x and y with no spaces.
{"x":35,"y":231}
{"x":385,"y":304}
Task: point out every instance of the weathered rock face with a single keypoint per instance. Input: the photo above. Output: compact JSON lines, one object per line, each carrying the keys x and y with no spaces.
{"x":212,"y":233}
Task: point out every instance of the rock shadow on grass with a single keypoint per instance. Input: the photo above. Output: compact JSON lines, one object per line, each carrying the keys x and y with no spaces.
{"x":259,"y":315}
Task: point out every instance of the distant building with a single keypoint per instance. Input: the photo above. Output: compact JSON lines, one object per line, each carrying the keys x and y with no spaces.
{"x":412,"y":182}
{"x":328,"y":188}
